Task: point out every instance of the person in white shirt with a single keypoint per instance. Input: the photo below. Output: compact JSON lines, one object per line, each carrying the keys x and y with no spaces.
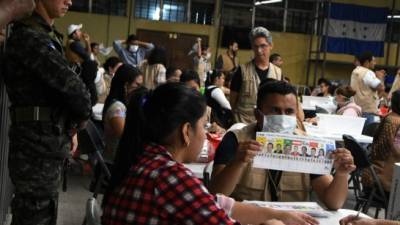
{"x":216,"y":99}
{"x":367,"y":85}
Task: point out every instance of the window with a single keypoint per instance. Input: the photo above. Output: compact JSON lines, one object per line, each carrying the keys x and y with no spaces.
{"x":202,"y":12}
{"x":112,"y":7}
{"x":270,"y":18}
{"x":80,"y":6}
{"x":147,"y":9}
{"x":174,"y":10}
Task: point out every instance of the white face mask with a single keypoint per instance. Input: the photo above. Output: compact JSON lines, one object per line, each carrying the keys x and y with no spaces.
{"x":133,"y":48}
{"x":279,"y":124}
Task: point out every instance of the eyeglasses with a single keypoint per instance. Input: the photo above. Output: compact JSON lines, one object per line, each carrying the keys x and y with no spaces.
{"x":262,"y":46}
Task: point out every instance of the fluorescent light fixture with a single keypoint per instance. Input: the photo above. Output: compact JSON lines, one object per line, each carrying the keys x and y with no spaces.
{"x":267,"y":2}
{"x":393,"y":16}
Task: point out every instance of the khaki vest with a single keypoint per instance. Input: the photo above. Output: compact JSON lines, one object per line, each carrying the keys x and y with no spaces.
{"x":107,"y":83}
{"x":71,"y":55}
{"x":244,"y":111}
{"x":395,"y":85}
{"x":365,"y":97}
{"x":150,"y":74}
{"x":254,"y":184}
{"x":228,"y":64}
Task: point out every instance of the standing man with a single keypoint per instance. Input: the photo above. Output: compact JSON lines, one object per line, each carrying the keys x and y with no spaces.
{"x":228,"y":62}
{"x":49,"y":103}
{"x":134,"y":52}
{"x":367,"y":85}
{"x":75,"y":51}
{"x":276,"y":59}
{"x":245,"y":81}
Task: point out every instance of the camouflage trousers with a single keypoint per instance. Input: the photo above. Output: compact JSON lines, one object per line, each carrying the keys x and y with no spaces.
{"x":35,"y":165}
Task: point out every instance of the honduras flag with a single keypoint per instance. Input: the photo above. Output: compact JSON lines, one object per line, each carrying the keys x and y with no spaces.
{"x":353,"y":29}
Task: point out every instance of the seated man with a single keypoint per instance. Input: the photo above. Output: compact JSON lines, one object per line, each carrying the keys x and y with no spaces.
{"x":233,"y":173}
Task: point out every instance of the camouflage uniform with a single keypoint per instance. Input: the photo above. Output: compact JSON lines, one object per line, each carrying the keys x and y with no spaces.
{"x":37,"y":75}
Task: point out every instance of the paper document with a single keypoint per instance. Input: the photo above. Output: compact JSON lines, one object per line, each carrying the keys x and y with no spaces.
{"x":310,"y":208}
{"x":294,"y":153}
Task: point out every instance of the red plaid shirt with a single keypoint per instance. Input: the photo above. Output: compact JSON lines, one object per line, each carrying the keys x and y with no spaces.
{"x":160,"y":190}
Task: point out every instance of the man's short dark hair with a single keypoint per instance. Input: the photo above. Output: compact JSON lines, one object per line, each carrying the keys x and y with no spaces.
{"x":111,"y":62}
{"x":272,"y":86}
{"x":130,"y":38}
{"x":189,"y":75}
{"x":274,"y":57}
{"x":231,"y":42}
{"x":365,"y":56}
{"x":324,"y":81}
{"x":93,"y":44}
{"x":170,"y":72}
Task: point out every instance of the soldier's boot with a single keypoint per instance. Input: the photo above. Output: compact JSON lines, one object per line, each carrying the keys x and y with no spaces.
{"x":34,"y":211}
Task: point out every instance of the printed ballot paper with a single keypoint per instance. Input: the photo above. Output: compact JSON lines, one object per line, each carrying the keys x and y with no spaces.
{"x":294,"y":153}
{"x":311,"y":208}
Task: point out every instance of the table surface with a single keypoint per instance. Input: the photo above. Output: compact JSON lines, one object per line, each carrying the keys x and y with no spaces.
{"x":336,"y":216}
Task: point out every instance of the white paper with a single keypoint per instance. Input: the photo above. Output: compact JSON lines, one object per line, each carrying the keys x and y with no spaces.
{"x":394,"y":201}
{"x":310,"y":208}
{"x":294,"y":153}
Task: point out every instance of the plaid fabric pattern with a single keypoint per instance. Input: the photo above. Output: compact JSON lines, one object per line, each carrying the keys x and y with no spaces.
{"x":161,"y":191}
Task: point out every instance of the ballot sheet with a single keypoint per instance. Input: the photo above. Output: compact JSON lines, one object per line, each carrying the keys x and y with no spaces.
{"x":294,"y":153}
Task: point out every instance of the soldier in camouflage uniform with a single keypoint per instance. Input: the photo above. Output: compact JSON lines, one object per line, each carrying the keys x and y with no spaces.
{"x":49,"y":102}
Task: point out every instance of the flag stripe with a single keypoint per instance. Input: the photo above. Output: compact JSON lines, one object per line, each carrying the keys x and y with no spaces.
{"x":354,"y":47}
{"x":356,"y":30}
{"x":358,"y":13}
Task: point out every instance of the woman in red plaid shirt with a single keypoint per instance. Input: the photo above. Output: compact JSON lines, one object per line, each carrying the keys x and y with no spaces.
{"x":150,"y":185}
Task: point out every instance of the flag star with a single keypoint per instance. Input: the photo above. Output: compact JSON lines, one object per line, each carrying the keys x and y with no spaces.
{"x":354,"y":30}
{"x":344,"y":33}
{"x":365,"y":36}
{"x":365,"y":28}
{"x":344,"y":25}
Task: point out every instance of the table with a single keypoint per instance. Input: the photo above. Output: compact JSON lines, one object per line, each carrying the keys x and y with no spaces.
{"x":336,"y":216}
{"x":312,"y":208}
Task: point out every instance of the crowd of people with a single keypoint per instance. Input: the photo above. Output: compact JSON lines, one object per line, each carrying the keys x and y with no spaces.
{"x":155,"y":119}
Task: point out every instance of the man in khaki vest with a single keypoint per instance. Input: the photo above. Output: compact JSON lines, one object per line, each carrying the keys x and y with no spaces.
{"x":367,"y":85}
{"x":228,"y":62}
{"x":244,"y":84}
{"x":233,"y":173}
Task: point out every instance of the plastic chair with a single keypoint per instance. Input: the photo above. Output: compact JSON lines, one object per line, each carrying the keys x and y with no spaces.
{"x":91,"y":142}
{"x":93,"y":212}
{"x":207,"y":173}
{"x":370,"y":129}
{"x":376,"y":197}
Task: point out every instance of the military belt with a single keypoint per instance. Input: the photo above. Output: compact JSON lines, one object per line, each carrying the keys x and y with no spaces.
{"x":31,"y":114}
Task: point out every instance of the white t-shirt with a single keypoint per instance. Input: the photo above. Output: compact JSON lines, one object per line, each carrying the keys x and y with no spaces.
{"x":371,"y":80}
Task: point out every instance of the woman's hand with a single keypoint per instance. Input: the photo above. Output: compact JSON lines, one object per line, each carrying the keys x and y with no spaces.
{"x":354,"y":220}
{"x":296,"y":218}
{"x":343,"y":161}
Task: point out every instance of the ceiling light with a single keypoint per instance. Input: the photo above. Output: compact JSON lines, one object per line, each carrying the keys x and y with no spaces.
{"x":267,"y":2}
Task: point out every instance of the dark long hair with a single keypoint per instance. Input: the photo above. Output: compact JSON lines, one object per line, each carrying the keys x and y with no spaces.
{"x":153,"y":118}
{"x":395,"y":102}
{"x":158,"y":56}
{"x":125,"y":74}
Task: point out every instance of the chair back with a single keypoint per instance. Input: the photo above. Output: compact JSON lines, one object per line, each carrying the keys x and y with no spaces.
{"x":359,"y":153}
{"x":370,"y":129}
{"x":90,"y":139}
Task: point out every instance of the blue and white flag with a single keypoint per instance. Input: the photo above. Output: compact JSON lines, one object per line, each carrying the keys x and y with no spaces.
{"x":353,"y":29}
